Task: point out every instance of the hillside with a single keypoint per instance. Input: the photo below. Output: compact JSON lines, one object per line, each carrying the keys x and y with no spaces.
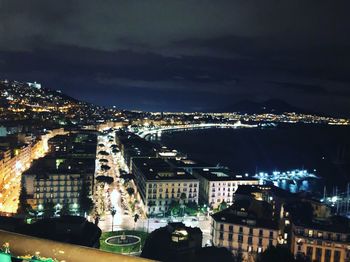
{"x":23,"y":101}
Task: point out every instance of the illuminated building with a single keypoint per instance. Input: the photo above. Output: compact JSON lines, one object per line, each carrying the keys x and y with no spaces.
{"x":159,"y":184}
{"x":60,"y":176}
{"x":58,"y":180}
{"x":326,"y":240}
{"x":132,"y":146}
{"x":217,"y":185}
{"x":16,"y":157}
{"x":245,"y":228}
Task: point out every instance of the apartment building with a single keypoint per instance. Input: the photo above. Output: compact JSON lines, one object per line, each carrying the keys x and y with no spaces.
{"x":58,"y":180}
{"x":159,"y":184}
{"x":245,"y":228}
{"x":322,"y":241}
{"x":60,"y":176}
{"x":217,"y":185}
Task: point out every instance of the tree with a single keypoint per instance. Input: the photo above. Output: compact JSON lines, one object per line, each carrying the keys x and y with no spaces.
{"x":136,"y":217}
{"x":105,"y":179}
{"x":174,"y":207}
{"x":223,"y":205}
{"x":115,"y":151}
{"x":275,"y":254}
{"x":191,"y":207}
{"x":103,"y":153}
{"x":113,"y":212}
{"x":102,"y":160}
{"x":85,"y":202}
{"x":213,"y":254}
{"x":130,"y":191}
{"x":49,"y":209}
{"x":23,"y":206}
{"x":105,"y":167}
{"x":64,"y":210}
{"x":182,"y":202}
{"x":183,"y":197}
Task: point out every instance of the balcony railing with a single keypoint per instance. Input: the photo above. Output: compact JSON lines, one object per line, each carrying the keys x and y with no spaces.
{"x":21,"y":245}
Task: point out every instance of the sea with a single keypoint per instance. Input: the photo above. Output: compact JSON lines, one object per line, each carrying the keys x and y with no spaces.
{"x":322,"y":150}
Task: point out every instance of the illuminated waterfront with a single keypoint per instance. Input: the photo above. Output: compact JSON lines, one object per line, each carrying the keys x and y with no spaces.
{"x":266,"y":150}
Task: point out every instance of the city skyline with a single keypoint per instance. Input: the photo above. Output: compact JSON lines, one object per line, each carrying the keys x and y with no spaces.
{"x":175,"y":130}
{"x":182,"y":56}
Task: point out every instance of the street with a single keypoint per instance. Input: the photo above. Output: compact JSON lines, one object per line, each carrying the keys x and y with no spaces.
{"x":114,"y":196}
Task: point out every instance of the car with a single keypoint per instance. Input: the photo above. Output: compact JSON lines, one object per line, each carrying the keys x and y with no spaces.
{"x":194,"y":219}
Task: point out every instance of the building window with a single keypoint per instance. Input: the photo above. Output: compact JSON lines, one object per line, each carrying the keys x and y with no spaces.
{"x":271,"y":234}
{"x":250,"y":240}
{"x":309,"y":252}
{"x":271,"y":243}
{"x":318,"y":254}
{"x":221,"y":237}
{"x":240,"y":229}
{"x":230,"y":228}
{"x":230,"y":237}
{"x":221,"y":227}
{"x":338,"y":237}
{"x":311,"y":232}
{"x":240,"y":238}
{"x":260,"y":233}
{"x":250,"y":231}
{"x":327,"y":255}
{"x":260,"y":241}
{"x":336,"y":256}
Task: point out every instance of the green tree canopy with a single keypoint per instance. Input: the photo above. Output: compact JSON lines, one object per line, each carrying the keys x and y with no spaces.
{"x":23,"y":206}
{"x":130,"y":191}
{"x":49,"y":209}
{"x":85,"y":202}
{"x":105,"y":179}
{"x":223,"y":205}
{"x":274,"y":254}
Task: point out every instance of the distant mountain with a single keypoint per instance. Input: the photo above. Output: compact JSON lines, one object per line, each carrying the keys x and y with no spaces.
{"x":269,"y":106}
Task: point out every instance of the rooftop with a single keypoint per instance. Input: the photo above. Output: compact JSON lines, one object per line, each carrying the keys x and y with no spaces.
{"x":249,"y":213}
{"x":336,"y":224}
{"x":220,"y":174}
{"x":159,"y":169}
{"x":57,"y":165}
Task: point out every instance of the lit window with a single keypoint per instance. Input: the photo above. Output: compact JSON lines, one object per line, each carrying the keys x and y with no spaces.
{"x":311,"y":233}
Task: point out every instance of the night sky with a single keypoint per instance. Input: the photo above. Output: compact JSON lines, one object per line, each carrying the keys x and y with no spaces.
{"x":182,"y":55}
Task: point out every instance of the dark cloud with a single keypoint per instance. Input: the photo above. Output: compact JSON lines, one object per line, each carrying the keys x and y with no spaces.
{"x":184,"y":54}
